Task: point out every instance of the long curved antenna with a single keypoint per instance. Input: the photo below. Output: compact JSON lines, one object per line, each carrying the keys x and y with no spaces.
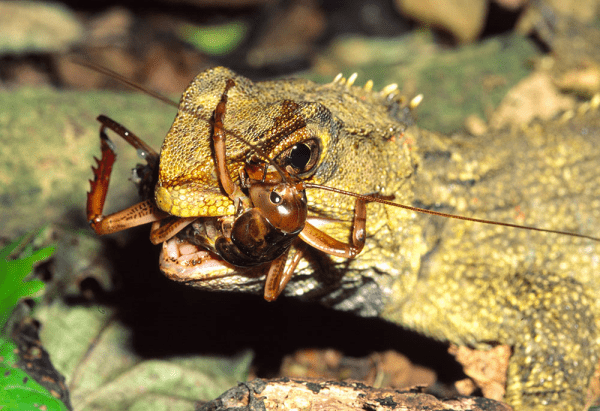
{"x":123,"y":80}
{"x":166,"y":100}
{"x":283,"y":174}
{"x":440,"y":214}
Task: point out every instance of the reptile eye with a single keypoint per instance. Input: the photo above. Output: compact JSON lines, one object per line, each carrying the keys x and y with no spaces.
{"x":301,"y":158}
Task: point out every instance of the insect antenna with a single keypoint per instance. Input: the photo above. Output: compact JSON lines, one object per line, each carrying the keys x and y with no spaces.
{"x":110,"y":73}
{"x":440,"y":214}
{"x":258,"y":150}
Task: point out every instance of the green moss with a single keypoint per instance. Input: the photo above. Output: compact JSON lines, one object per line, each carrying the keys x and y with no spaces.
{"x":455,"y":82}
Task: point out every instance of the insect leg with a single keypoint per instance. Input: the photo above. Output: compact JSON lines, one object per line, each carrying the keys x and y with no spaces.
{"x":99,"y":186}
{"x":329,"y":245}
{"x":144,"y":150}
{"x":273,"y":280}
{"x":279,"y":275}
{"x":233,"y":190}
{"x":138,"y":214}
{"x":161,"y":233}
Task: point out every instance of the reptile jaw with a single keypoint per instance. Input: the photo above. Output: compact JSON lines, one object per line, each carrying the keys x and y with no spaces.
{"x":193,"y":261}
{"x":182,"y":261}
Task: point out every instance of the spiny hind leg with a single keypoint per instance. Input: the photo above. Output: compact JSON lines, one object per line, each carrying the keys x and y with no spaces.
{"x":138,"y":214}
{"x":144,"y":150}
{"x":96,"y":197}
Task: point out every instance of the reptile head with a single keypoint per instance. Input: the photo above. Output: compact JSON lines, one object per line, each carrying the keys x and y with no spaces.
{"x":188,"y":185}
{"x":359,"y":136}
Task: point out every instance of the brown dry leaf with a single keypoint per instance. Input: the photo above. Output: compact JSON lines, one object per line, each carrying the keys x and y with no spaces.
{"x":486,"y":368}
{"x":289,"y":35}
{"x":399,"y":372}
{"x":387,"y":369}
{"x":584,"y":80}
{"x":475,"y":125}
{"x":464,"y":19}
{"x":37,"y":27}
{"x":512,"y":4}
{"x":533,"y":97}
{"x":593,"y":394}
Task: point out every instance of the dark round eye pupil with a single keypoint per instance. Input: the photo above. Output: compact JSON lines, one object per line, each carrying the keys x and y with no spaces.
{"x":299,"y":156}
{"x":275,"y":198}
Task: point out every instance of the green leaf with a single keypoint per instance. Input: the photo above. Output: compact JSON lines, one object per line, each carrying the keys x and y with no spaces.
{"x":29,"y":288}
{"x":21,"y":392}
{"x":215,"y":40}
{"x":8,"y":356}
{"x":18,"y":390}
{"x":12,"y":273}
{"x":6,"y":251}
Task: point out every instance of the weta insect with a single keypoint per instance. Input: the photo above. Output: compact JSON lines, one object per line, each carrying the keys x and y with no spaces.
{"x":261,"y":211}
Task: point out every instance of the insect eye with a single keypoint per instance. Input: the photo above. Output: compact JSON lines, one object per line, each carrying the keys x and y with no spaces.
{"x":301,"y":157}
{"x":274,"y":197}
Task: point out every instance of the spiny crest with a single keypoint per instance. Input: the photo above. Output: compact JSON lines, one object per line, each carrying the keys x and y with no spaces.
{"x":390,"y":91}
{"x":590,"y":105}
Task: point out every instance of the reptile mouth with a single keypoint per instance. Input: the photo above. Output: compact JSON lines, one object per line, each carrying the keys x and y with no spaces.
{"x":192,"y":264}
{"x":180,"y":260}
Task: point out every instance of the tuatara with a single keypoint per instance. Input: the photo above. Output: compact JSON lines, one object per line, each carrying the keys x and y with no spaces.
{"x":467,"y":283}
